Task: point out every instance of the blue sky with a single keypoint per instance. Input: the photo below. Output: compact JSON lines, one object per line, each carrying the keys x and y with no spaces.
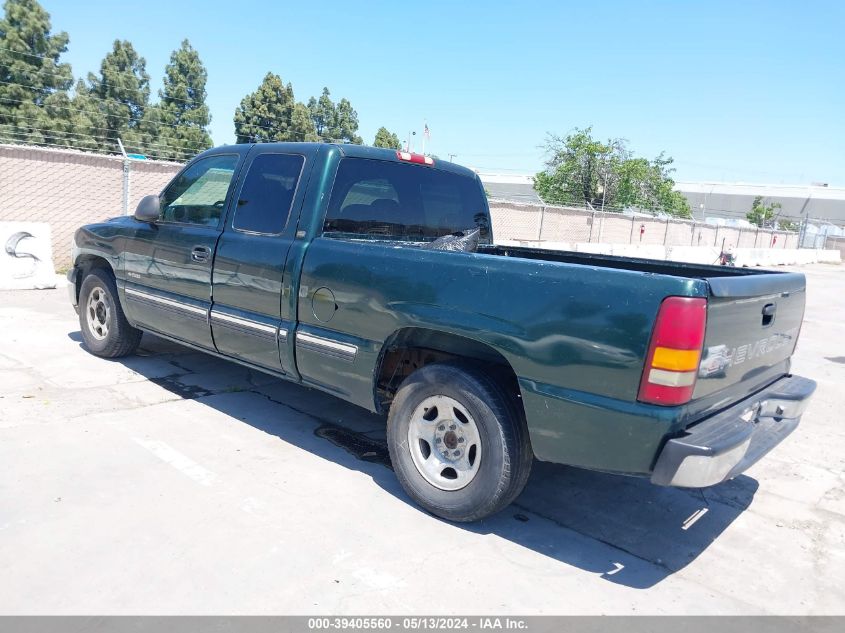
{"x":736,"y":91}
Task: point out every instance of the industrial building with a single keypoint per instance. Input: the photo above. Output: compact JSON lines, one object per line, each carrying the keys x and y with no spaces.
{"x":817,"y":203}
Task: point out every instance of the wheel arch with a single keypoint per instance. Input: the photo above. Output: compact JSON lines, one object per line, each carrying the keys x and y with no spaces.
{"x":85,"y":263}
{"x":411,"y":348}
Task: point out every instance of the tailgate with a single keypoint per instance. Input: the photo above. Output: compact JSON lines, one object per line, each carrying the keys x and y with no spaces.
{"x":752,"y":328}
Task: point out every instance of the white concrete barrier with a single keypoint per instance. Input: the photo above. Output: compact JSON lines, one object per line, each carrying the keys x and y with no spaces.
{"x":765,"y":257}
{"x":26,"y":256}
{"x":830,"y":256}
{"x":784,"y":256}
{"x":693,"y":254}
{"x":597,"y":248}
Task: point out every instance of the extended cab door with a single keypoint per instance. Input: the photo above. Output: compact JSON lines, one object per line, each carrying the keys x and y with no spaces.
{"x":249,"y":318}
{"x":168,"y":262}
{"x":364,"y":270}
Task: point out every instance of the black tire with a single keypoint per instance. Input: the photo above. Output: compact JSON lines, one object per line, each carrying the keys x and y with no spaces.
{"x":505,"y":458}
{"x":114,"y":336}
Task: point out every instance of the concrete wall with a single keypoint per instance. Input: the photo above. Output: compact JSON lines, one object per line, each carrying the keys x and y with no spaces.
{"x":67,"y":189}
{"x":536,"y":222}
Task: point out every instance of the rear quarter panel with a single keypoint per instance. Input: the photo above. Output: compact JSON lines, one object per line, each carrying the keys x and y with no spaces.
{"x":570,"y":332}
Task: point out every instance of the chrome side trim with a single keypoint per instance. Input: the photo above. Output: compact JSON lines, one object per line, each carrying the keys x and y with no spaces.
{"x":164,"y":301}
{"x":344,"y":351}
{"x":247,"y":323}
{"x":282,"y":333}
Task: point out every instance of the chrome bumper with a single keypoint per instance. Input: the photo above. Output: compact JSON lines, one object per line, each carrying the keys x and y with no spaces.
{"x":725,"y":445}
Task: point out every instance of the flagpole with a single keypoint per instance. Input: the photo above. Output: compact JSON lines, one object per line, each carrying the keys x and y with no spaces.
{"x":425,"y":127}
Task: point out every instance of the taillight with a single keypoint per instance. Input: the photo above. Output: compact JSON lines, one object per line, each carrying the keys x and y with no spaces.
{"x":671,"y":365}
{"x":415,"y":158}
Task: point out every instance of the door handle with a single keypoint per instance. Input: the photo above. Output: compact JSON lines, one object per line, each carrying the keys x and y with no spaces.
{"x":200,"y":253}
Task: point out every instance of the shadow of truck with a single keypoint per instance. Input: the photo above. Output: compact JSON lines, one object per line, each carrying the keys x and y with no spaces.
{"x":624,"y":528}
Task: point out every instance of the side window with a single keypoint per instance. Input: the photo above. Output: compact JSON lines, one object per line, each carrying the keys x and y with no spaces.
{"x":267,"y":193}
{"x":198,"y":194}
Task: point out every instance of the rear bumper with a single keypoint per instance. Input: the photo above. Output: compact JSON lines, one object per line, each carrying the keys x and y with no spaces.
{"x":728,"y":443}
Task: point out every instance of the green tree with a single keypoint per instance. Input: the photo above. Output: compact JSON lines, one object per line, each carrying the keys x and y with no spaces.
{"x":323,"y":115}
{"x":347,"y":123}
{"x":584,"y":171}
{"x":385,"y":138}
{"x":334,"y":122}
{"x":123,"y":89}
{"x":272,"y":114}
{"x":302,"y":127}
{"x":87,"y":118}
{"x":31,"y":76}
{"x":763,"y":215}
{"x":181,"y":116}
{"x":580,"y":168}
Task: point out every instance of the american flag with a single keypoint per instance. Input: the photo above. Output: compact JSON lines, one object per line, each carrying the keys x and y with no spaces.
{"x":426,"y":132}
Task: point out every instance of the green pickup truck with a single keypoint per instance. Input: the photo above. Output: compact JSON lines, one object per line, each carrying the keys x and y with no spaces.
{"x":372,"y":275}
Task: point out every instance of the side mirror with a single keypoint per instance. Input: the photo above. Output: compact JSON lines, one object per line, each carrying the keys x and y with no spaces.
{"x":148,"y":209}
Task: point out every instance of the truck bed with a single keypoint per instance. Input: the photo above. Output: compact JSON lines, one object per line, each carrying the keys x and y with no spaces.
{"x":658,"y":267}
{"x":724,"y":281}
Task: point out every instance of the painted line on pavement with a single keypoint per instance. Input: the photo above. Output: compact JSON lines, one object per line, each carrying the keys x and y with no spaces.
{"x":180,"y":462}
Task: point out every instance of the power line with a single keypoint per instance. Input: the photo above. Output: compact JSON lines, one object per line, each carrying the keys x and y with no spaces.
{"x":148,"y":148}
{"x":128,"y":119}
{"x":11,"y":50}
{"x":102,"y":83}
{"x":283,"y":123}
{"x":104,"y":128}
{"x":13,"y":141}
{"x":59,"y":133}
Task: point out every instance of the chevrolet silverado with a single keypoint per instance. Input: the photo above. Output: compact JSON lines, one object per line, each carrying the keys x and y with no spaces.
{"x":372,"y":275}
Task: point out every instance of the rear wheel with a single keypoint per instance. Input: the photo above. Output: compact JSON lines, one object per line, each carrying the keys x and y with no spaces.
{"x":457,"y":442}
{"x":104,"y":327}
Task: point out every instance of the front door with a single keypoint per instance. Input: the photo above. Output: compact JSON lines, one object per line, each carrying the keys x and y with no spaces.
{"x":168,"y":262}
{"x":249,"y":320}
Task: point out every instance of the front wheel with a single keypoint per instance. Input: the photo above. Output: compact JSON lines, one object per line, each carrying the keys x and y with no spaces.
{"x":104,"y":327}
{"x":458,"y":442}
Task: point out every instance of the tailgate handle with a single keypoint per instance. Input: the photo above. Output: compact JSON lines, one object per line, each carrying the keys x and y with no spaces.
{"x":769,"y":313}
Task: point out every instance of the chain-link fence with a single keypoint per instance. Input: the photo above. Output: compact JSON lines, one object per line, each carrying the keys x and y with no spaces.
{"x":558,"y":226}
{"x":835,"y":243}
{"x":68,"y":189}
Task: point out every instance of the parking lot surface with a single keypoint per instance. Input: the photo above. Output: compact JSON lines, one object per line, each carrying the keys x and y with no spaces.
{"x":172,"y":482}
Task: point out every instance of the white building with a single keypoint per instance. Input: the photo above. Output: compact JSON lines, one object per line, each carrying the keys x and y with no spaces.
{"x":733,"y":200}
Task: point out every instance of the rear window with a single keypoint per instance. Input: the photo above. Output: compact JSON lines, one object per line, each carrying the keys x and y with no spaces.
{"x":385,"y":200}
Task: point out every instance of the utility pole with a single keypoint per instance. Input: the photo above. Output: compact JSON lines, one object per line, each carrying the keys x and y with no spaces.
{"x":408,"y":146}
{"x":125,"y":178}
{"x":802,"y":227}
{"x":604,"y":189}
{"x":452,"y":157}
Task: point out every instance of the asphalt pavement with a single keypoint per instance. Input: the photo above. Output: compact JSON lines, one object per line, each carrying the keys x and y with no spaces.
{"x":172,"y":482}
